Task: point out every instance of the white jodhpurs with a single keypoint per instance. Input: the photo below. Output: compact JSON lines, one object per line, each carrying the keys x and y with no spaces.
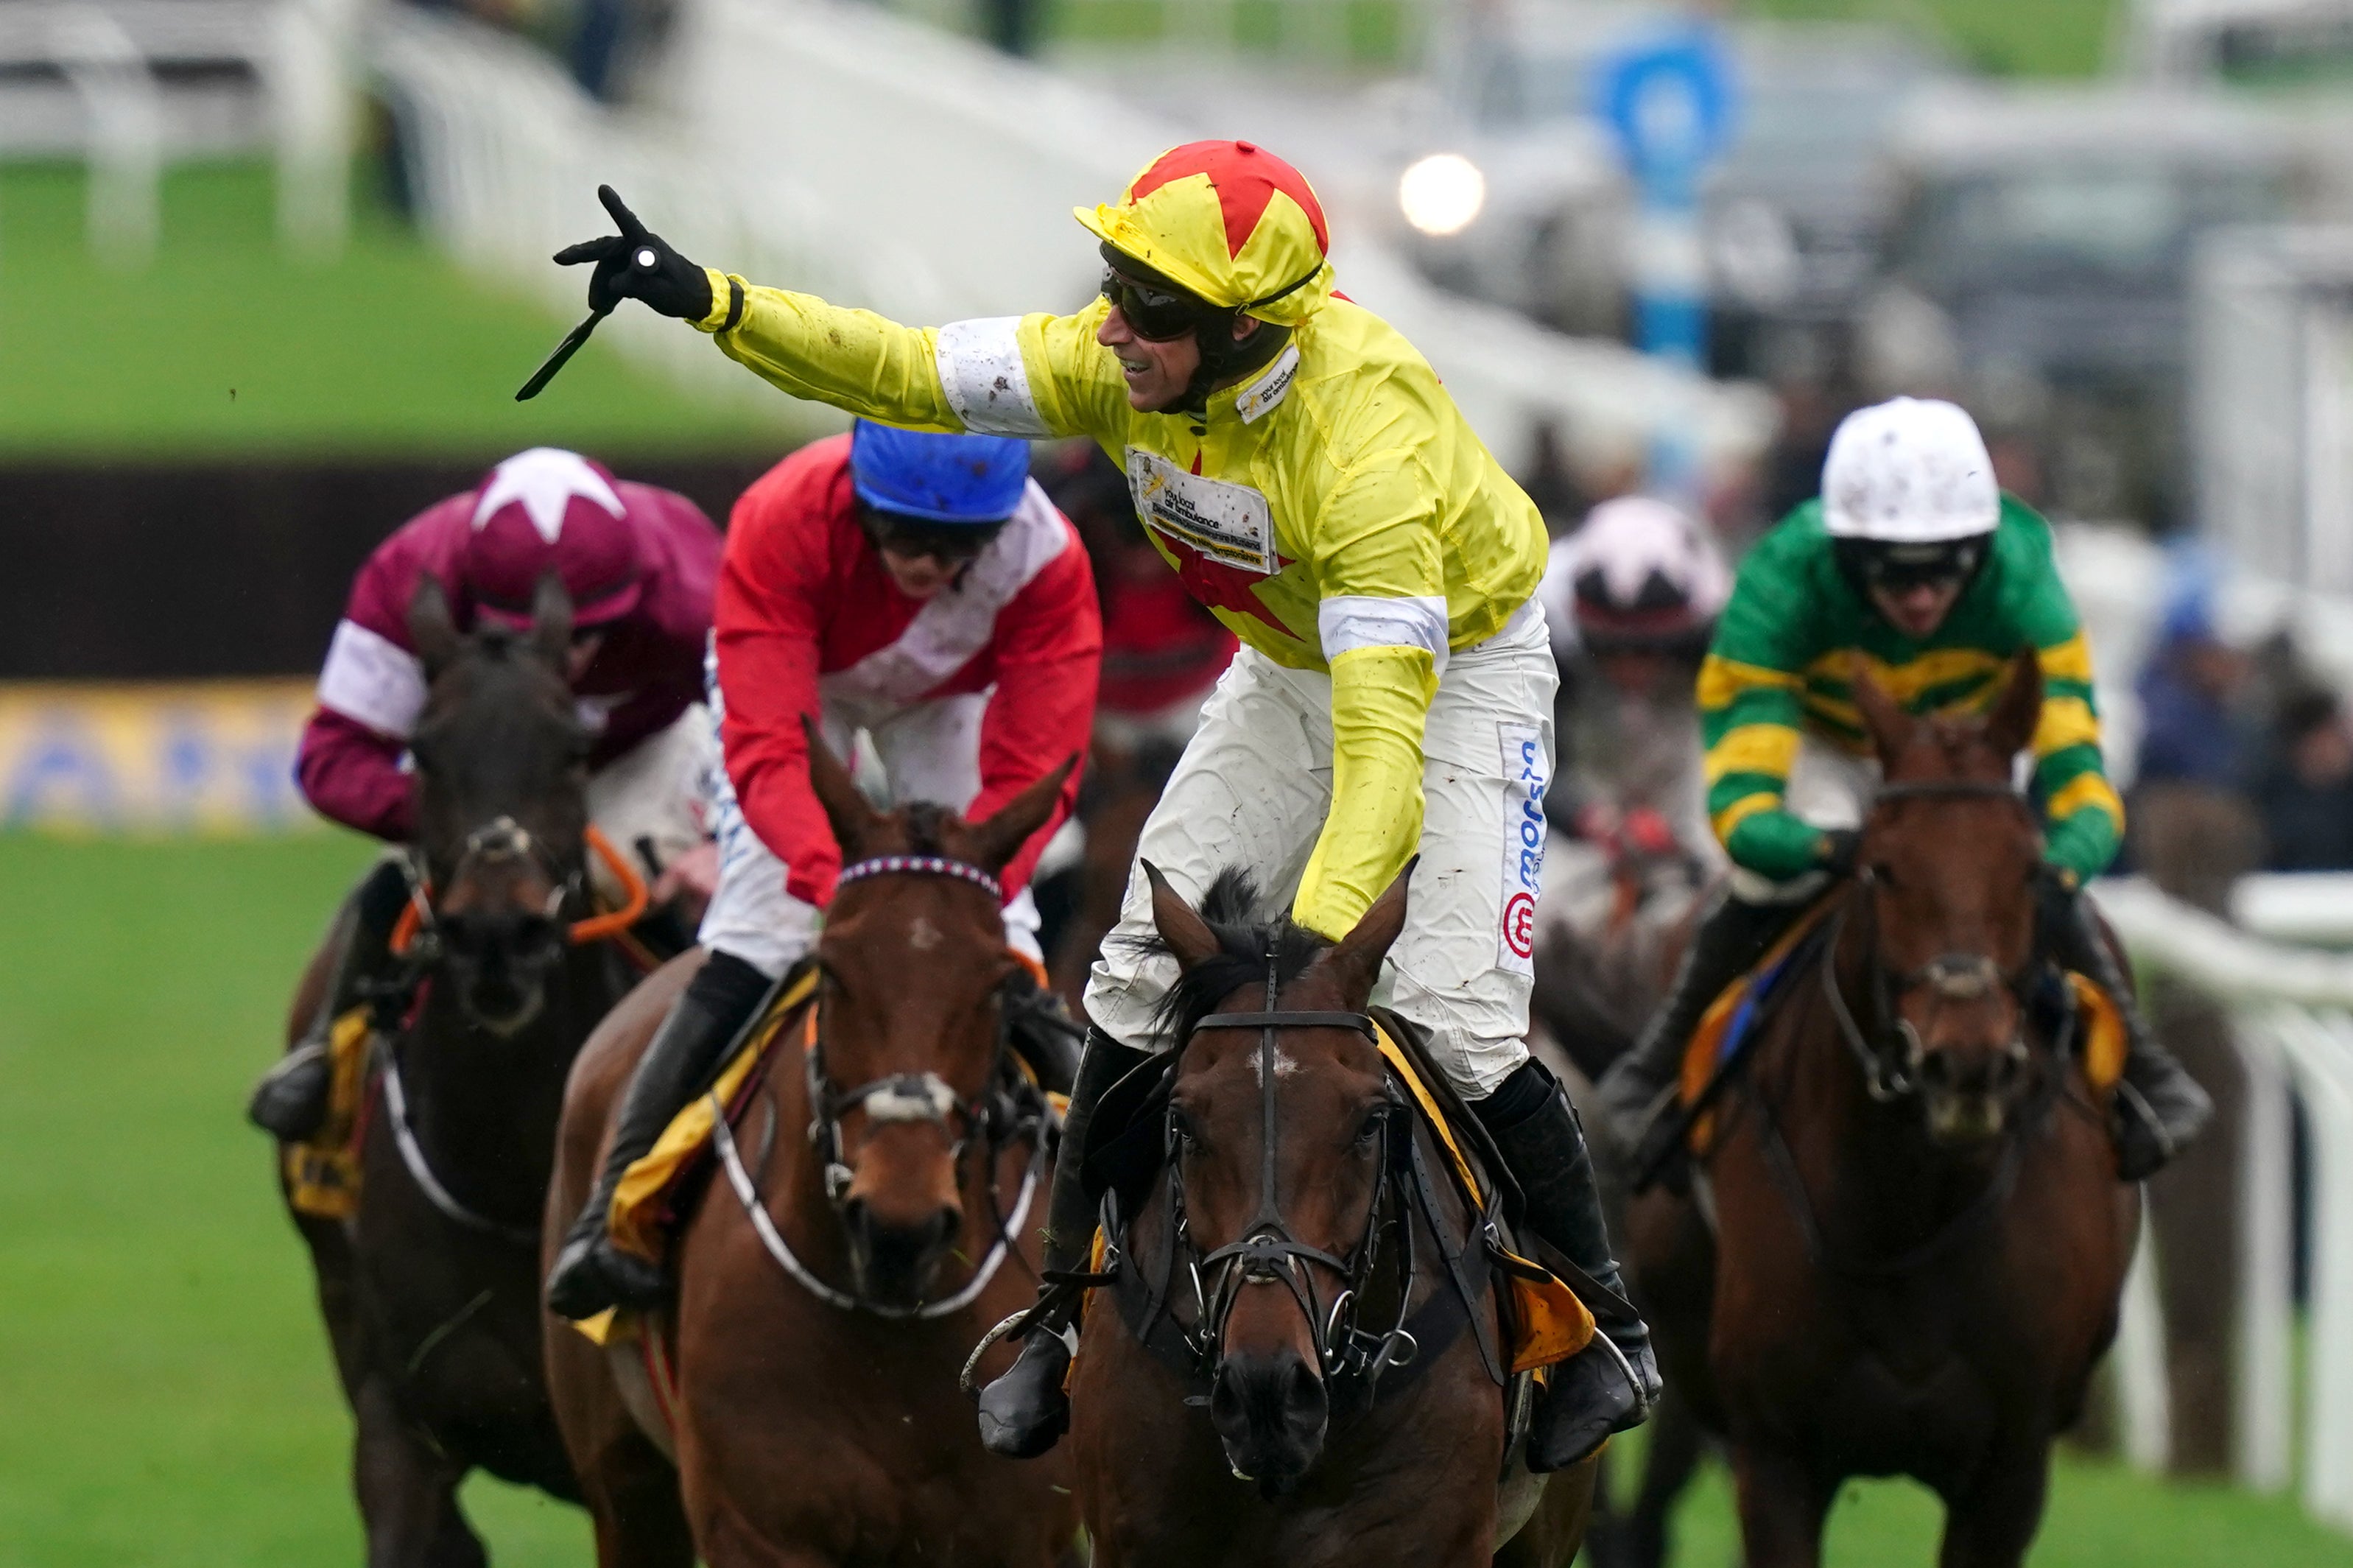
{"x":1254,"y":787}
{"x":928,"y":751}
{"x":655,"y":793}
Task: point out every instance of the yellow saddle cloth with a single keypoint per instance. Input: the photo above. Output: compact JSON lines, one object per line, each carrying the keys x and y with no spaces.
{"x":323,"y":1173}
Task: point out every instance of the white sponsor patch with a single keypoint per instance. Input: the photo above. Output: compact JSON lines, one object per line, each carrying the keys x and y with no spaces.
{"x":1266,"y":394}
{"x":1526,"y":772}
{"x":370,"y":678}
{"x":1229,"y":523}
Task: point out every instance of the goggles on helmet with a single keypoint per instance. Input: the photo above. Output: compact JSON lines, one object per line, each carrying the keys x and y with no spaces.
{"x":1879,"y":563}
{"x":1155,"y":314}
{"x":950,"y":543}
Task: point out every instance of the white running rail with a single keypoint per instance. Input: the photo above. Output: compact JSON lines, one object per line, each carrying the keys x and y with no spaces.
{"x":2292,"y":1010}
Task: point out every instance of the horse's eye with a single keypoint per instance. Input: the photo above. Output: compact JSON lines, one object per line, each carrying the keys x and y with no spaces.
{"x":1884,"y":874}
{"x":1371,"y":1129}
{"x":1182,"y":1126}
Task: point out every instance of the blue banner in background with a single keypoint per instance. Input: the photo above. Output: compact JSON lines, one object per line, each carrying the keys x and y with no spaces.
{"x":205,"y":757}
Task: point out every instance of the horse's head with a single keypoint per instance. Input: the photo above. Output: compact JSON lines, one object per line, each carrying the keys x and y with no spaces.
{"x":502,"y":801}
{"x":1950,"y":855}
{"x":911,"y":966}
{"x":1281,"y":1132}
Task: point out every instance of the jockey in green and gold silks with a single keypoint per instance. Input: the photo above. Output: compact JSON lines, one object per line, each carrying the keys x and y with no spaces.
{"x":1913,"y":561}
{"x":1777,"y":671}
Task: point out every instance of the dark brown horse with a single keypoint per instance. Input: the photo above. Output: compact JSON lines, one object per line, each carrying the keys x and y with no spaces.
{"x":1918,"y":1238}
{"x":430,"y":1290}
{"x":875,"y":1211}
{"x":1297,"y":1362}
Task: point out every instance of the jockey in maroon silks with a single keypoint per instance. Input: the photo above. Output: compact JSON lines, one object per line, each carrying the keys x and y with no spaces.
{"x":639,"y":565}
{"x":915,"y":586}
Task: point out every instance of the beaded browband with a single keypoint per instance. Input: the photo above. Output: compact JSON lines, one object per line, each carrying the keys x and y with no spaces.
{"x":923,"y":865}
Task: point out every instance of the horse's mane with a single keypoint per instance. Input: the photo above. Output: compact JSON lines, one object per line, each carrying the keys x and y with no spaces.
{"x":1242,"y":941}
{"x":926,"y":825}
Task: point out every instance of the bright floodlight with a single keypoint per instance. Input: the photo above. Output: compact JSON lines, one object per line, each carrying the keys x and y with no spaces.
{"x":1443,"y":193}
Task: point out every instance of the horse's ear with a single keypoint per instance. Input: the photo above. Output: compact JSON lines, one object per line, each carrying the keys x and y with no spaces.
{"x":1357,"y":961}
{"x":432,"y":627}
{"x":1889,"y":727}
{"x":853,"y":820}
{"x":1188,"y":936}
{"x":2016,"y":712}
{"x":551,"y":620}
{"x":1000,"y":837}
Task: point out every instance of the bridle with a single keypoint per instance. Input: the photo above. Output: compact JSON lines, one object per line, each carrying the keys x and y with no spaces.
{"x":418,"y":935}
{"x":1949,"y":978}
{"x":1010,"y":1107}
{"x":1268,"y":1251}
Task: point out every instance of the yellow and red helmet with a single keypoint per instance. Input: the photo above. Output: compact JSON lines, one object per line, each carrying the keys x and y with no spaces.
{"x":1230,"y":222}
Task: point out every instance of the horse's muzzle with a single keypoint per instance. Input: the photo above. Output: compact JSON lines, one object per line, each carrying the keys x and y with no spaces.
{"x":1966,"y":1091}
{"x":1270,"y":1410}
{"x":895,"y":1263}
{"x":501,"y":961}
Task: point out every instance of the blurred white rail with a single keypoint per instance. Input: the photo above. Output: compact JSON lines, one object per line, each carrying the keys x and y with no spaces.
{"x":844,"y":150}
{"x":2292,"y":1010}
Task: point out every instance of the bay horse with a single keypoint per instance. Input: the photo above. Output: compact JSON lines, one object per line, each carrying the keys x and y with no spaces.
{"x":872,"y":1216}
{"x":1249,"y":1388}
{"x":430,"y":1288}
{"x":1909,"y":1241}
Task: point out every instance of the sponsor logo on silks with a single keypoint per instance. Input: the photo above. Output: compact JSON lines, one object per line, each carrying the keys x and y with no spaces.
{"x":1231,"y":524}
{"x":1528,"y":770}
{"x":1261,"y":397}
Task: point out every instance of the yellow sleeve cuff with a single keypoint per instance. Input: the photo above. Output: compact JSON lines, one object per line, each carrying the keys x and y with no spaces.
{"x":722,"y":299}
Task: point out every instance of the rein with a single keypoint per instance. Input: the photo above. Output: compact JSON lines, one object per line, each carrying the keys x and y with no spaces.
{"x":415,"y":939}
{"x":1009,"y":1108}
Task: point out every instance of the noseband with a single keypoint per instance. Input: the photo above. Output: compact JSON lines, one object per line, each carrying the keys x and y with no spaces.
{"x":1950,"y":978}
{"x":1267,"y":1251}
{"x":417,"y":934}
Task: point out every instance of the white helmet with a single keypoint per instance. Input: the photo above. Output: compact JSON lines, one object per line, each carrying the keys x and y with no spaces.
{"x":1639,"y":574}
{"x":1909,"y":471}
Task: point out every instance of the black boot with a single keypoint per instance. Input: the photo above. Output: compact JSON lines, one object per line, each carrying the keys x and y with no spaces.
{"x":2158,"y":1107}
{"x":1640,"y":1084}
{"x":1614,"y":1382}
{"x":291,"y":1101}
{"x":1025,"y":1412}
{"x":685,"y":1054}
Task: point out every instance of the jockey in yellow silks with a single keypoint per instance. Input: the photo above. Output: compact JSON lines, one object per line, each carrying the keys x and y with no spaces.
{"x":1303,"y":471}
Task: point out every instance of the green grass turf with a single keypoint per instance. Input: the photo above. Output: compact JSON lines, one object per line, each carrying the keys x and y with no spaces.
{"x":223,"y":345}
{"x":165,"y":1383}
{"x":2006,"y":38}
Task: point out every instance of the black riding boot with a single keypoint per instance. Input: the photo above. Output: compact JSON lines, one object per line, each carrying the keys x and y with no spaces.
{"x":1025,"y":1412}
{"x":291,"y":1101}
{"x":685,"y":1054}
{"x":2159,"y":1106}
{"x":1614,"y":1382}
{"x":1731,"y":936}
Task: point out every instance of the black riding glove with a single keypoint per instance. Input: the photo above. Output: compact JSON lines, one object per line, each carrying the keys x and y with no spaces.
{"x":637,"y":265}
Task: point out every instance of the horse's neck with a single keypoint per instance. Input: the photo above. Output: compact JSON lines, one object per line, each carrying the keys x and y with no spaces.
{"x":489,"y":1105}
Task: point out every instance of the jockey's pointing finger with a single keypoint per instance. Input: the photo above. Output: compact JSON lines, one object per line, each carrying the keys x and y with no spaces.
{"x":637,"y":265}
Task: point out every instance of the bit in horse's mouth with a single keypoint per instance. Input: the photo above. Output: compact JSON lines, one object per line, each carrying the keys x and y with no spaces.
{"x":1958,"y":1119}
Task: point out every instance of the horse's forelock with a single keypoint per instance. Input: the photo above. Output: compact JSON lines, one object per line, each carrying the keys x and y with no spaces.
{"x":1230,"y":910}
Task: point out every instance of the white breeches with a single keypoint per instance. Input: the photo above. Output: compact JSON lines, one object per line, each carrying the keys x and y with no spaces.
{"x":658,"y":792}
{"x":928,"y":751}
{"x":1254,"y":787}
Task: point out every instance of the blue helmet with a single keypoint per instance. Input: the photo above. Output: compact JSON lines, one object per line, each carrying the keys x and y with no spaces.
{"x":972,"y":480}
